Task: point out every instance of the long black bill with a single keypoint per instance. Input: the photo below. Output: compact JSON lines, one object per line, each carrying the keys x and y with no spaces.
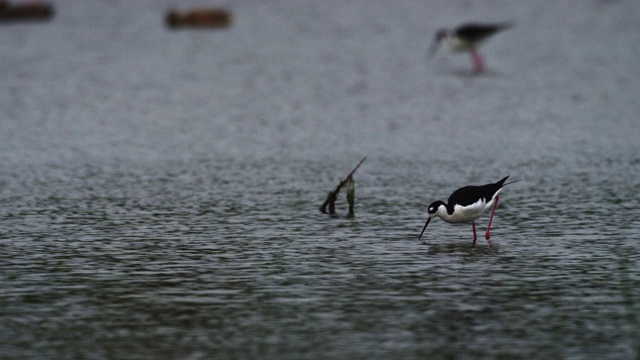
{"x":424,"y":228}
{"x":435,"y":45}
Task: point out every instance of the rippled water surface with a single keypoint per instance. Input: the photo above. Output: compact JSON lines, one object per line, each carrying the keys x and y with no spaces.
{"x":160,"y":190}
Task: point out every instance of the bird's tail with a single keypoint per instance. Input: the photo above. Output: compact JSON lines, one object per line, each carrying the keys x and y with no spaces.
{"x":511,"y":182}
{"x":507,"y":25}
{"x":503,"y":182}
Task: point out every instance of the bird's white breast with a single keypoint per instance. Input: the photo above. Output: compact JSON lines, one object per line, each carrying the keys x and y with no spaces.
{"x":469,"y":213}
{"x":454,"y":44}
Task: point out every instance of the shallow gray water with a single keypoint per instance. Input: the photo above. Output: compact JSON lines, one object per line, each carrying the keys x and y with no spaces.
{"x":160,"y":190}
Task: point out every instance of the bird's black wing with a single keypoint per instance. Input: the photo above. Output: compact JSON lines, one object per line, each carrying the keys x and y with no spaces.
{"x":470,"y":194}
{"x":477,"y":32}
{"x":466,"y":195}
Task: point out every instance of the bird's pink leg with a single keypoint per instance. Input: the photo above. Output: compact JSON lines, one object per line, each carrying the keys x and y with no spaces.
{"x":478,"y":64}
{"x":473,"y":226}
{"x":486,"y":236}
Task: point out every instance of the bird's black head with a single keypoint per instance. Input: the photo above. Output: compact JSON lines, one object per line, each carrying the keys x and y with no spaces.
{"x":437,"y":41}
{"x":441,"y":35}
{"x":433,"y":208}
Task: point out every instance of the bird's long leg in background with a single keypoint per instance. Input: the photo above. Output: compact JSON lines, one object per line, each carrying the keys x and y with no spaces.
{"x":478,"y":64}
{"x":473,"y":226}
{"x":486,"y":236}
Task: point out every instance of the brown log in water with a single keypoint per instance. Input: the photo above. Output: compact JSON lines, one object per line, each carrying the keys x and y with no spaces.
{"x":199,"y":18}
{"x":31,"y":11}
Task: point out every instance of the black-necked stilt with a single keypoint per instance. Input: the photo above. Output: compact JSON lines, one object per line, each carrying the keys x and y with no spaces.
{"x":467,"y":204}
{"x":467,"y":38}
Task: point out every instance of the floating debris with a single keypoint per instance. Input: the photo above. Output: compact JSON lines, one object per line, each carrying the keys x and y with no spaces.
{"x":29,"y":11}
{"x":351,"y":195}
{"x":350,"y":186}
{"x":209,"y":18}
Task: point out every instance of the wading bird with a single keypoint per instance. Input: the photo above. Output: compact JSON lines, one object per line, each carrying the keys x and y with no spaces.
{"x":467,"y":38}
{"x":466,"y":205}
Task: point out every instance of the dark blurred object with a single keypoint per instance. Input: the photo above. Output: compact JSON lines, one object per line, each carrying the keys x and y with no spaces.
{"x":199,"y":18}
{"x":350,"y":185}
{"x":31,"y":11}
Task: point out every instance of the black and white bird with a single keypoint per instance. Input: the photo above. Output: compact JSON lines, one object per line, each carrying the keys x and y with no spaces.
{"x":466,"y":205}
{"x":467,"y":38}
